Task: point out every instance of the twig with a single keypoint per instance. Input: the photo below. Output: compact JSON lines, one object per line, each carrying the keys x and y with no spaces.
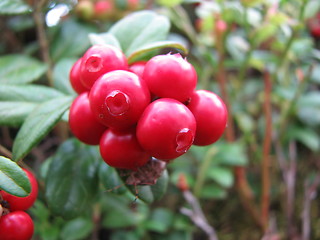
{"x":42,"y":37}
{"x":197,"y":216}
{"x":265,"y":198}
{"x":5,"y":151}
{"x":309,"y":195}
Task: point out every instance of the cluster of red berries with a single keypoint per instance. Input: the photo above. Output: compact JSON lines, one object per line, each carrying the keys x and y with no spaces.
{"x":15,"y":223}
{"x":148,"y":109}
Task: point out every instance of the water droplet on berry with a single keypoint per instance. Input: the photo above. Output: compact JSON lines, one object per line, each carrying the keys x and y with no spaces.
{"x":117,"y":103}
{"x":94,"y":63}
{"x":184,"y":140}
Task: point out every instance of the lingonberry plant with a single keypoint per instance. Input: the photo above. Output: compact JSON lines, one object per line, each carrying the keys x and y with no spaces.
{"x":188,"y":120}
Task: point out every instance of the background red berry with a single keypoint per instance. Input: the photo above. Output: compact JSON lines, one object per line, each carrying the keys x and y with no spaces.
{"x":75,"y":78}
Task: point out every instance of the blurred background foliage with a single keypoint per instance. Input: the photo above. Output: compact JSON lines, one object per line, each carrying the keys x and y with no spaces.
{"x":260,"y":181}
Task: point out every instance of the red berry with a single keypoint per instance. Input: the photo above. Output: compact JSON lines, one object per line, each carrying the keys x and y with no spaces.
{"x":122,"y":150}
{"x":103,"y":9}
{"x":22,"y":203}
{"x":211,"y":116}
{"x":138,"y":68}
{"x":166,"y":129}
{"x":75,"y":78}
{"x":16,"y":225}
{"x":83,"y":123}
{"x":170,"y":76}
{"x":98,"y":60}
{"x":118,"y":99}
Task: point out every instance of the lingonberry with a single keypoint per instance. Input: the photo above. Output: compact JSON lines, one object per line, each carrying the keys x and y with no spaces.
{"x":75,"y":78}
{"x":83,"y":123}
{"x":211,"y":116}
{"x":22,"y":203}
{"x":16,"y":225}
{"x":100,"y":59}
{"x":120,"y":149}
{"x":103,"y":9}
{"x":170,"y":76}
{"x":138,"y":68}
{"x":118,"y":98}
{"x":166,"y":129}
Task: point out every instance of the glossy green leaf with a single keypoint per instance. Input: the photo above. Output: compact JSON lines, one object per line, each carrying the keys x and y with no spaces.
{"x":309,"y":108}
{"x":13,"y":179}
{"x":311,"y":9}
{"x":13,"y":114}
{"x":213,"y":191}
{"x":38,"y":124}
{"x":71,"y":40}
{"x":155,"y":46}
{"x":27,"y":93}
{"x":104,"y":38}
{"x":306,"y":136}
{"x":76,"y":229}
{"x":169,"y":3}
{"x":160,"y":220}
{"x":221,"y":175}
{"x":19,"y":68}
{"x":13,"y":7}
{"x":110,"y":179}
{"x":61,"y":73}
{"x":72,"y":181}
{"x":232,"y":154}
{"x":139,"y":29}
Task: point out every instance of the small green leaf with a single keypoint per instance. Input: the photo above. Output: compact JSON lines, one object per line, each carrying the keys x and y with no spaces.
{"x":221,"y":175}
{"x":77,"y":229}
{"x":155,"y":46}
{"x":104,"y":38}
{"x":160,"y":220}
{"x":231,"y":154}
{"x":13,"y":7}
{"x":306,"y":136}
{"x":13,"y":114}
{"x":61,"y":73}
{"x":71,"y":41}
{"x":311,"y":9}
{"x":72,"y":181}
{"x":27,"y":93}
{"x":110,"y":179}
{"x":19,"y":68}
{"x":139,"y":29}
{"x":213,"y":191}
{"x":13,"y":179}
{"x":309,"y":108}
{"x":38,"y":124}
{"x":169,"y":3}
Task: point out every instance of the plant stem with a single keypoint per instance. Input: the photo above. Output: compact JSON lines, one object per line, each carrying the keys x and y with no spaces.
{"x":265,"y":198}
{"x":42,"y":37}
{"x":5,"y":151}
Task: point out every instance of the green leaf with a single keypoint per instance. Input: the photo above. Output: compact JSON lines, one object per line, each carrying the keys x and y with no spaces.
{"x":311,"y":9}
{"x":71,"y":41}
{"x":110,"y":179}
{"x":27,"y":93}
{"x":77,"y":229}
{"x":169,"y":3}
{"x":160,"y":220}
{"x":61,"y":79}
{"x":221,"y":175}
{"x":72,"y":181}
{"x":213,"y":191}
{"x":13,"y":7}
{"x":38,"y":124}
{"x":104,"y":38}
{"x":231,"y":154}
{"x":139,"y":29}
{"x":306,"y":136}
{"x":13,"y":179}
{"x":309,"y":108}
{"x":155,"y":46}
{"x":19,"y":68}
{"x":13,"y":114}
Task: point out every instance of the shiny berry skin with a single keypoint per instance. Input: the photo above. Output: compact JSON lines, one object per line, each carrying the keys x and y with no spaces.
{"x":16,"y":225}
{"x":170,"y":76}
{"x":118,"y":99}
{"x":166,"y":129}
{"x":83,"y":123}
{"x":100,"y":59}
{"x":22,"y":203}
{"x":211,"y":116}
{"x":120,"y":149}
{"x":138,"y":68}
{"x":75,"y":78}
